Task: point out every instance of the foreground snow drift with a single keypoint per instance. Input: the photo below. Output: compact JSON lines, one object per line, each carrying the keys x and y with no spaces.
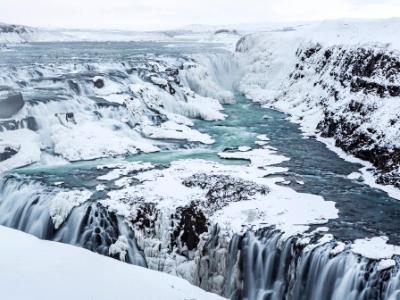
{"x":35,"y":269}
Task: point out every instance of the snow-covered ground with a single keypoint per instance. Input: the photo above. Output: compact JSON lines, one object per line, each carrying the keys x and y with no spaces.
{"x":36,"y":269}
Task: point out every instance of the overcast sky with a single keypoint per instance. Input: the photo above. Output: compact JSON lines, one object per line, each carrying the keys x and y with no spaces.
{"x":162,"y":14}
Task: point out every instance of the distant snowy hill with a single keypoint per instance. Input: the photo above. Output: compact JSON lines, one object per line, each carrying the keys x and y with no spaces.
{"x":15,"y":34}
{"x":36,"y":269}
{"x":340,"y":79}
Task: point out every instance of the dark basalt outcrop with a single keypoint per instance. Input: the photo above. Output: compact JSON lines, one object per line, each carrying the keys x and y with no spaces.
{"x":28,"y":122}
{"x":191,"y":224}
{"x":364,"y":78}
{"x":10,"y":28}
{"x":226,"y":31}
{"x":223,"y":189}
{"x":145,"y":216}
{"x":7,"y":153}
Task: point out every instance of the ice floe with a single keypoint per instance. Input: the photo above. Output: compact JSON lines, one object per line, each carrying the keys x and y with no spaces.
{"x":375,"y":248}
{"x":257,"y":157}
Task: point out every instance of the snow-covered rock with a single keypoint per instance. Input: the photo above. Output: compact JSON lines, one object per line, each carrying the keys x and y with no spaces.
{"x":119,"y":170}
{"x":257,"y":157}
{"x":63,"y":202}
{"x":340,"y":79}
{"x":355,"y":176}
{"x":173,"y":212}
{"x":24,"y":148}
{"x":14,"y":34}
{"x":119,"y":248}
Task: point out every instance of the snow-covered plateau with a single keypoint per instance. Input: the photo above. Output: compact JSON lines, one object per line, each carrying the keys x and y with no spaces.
{"x":177,"y":154}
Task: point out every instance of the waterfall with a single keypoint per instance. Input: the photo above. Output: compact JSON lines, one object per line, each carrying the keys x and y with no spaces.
{"x":254,"y":266}
{"x":272,"y":268}
{"x":24,"y":205}
{"x":215,"y":76}
{"x":224,"y":68}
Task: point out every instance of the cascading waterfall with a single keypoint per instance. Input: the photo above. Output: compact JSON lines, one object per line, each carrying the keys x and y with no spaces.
{"x":215,"y":70}
{"x":272,"y":268}
{"x":25,"y":206}
{"x":254,"y":266}
{"x":223,"y":68}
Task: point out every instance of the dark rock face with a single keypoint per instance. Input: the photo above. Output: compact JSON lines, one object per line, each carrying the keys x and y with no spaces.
{"x":390,"y":178}
{"x":158,"y":119}
{"x":227,"y":31}
{"x":363,"y":79}
{"x":70,"y":117}
{"x":28,"y":122}
{"x":223,"y":189}
{"x":10,"y":104}
{"x":192,"y":223}
{"x":7,"y":153}
{"x":10,"y":28}
{"x":98,"y":83}
{"x":244,"y":44}
{"x":145,"y":216}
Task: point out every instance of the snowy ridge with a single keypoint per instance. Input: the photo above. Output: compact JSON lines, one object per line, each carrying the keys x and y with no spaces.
{"x":17,"y":34}
{"x":337,"y":78}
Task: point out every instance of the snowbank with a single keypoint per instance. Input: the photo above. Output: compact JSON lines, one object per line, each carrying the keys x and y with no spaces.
{"x":36,"y":269}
